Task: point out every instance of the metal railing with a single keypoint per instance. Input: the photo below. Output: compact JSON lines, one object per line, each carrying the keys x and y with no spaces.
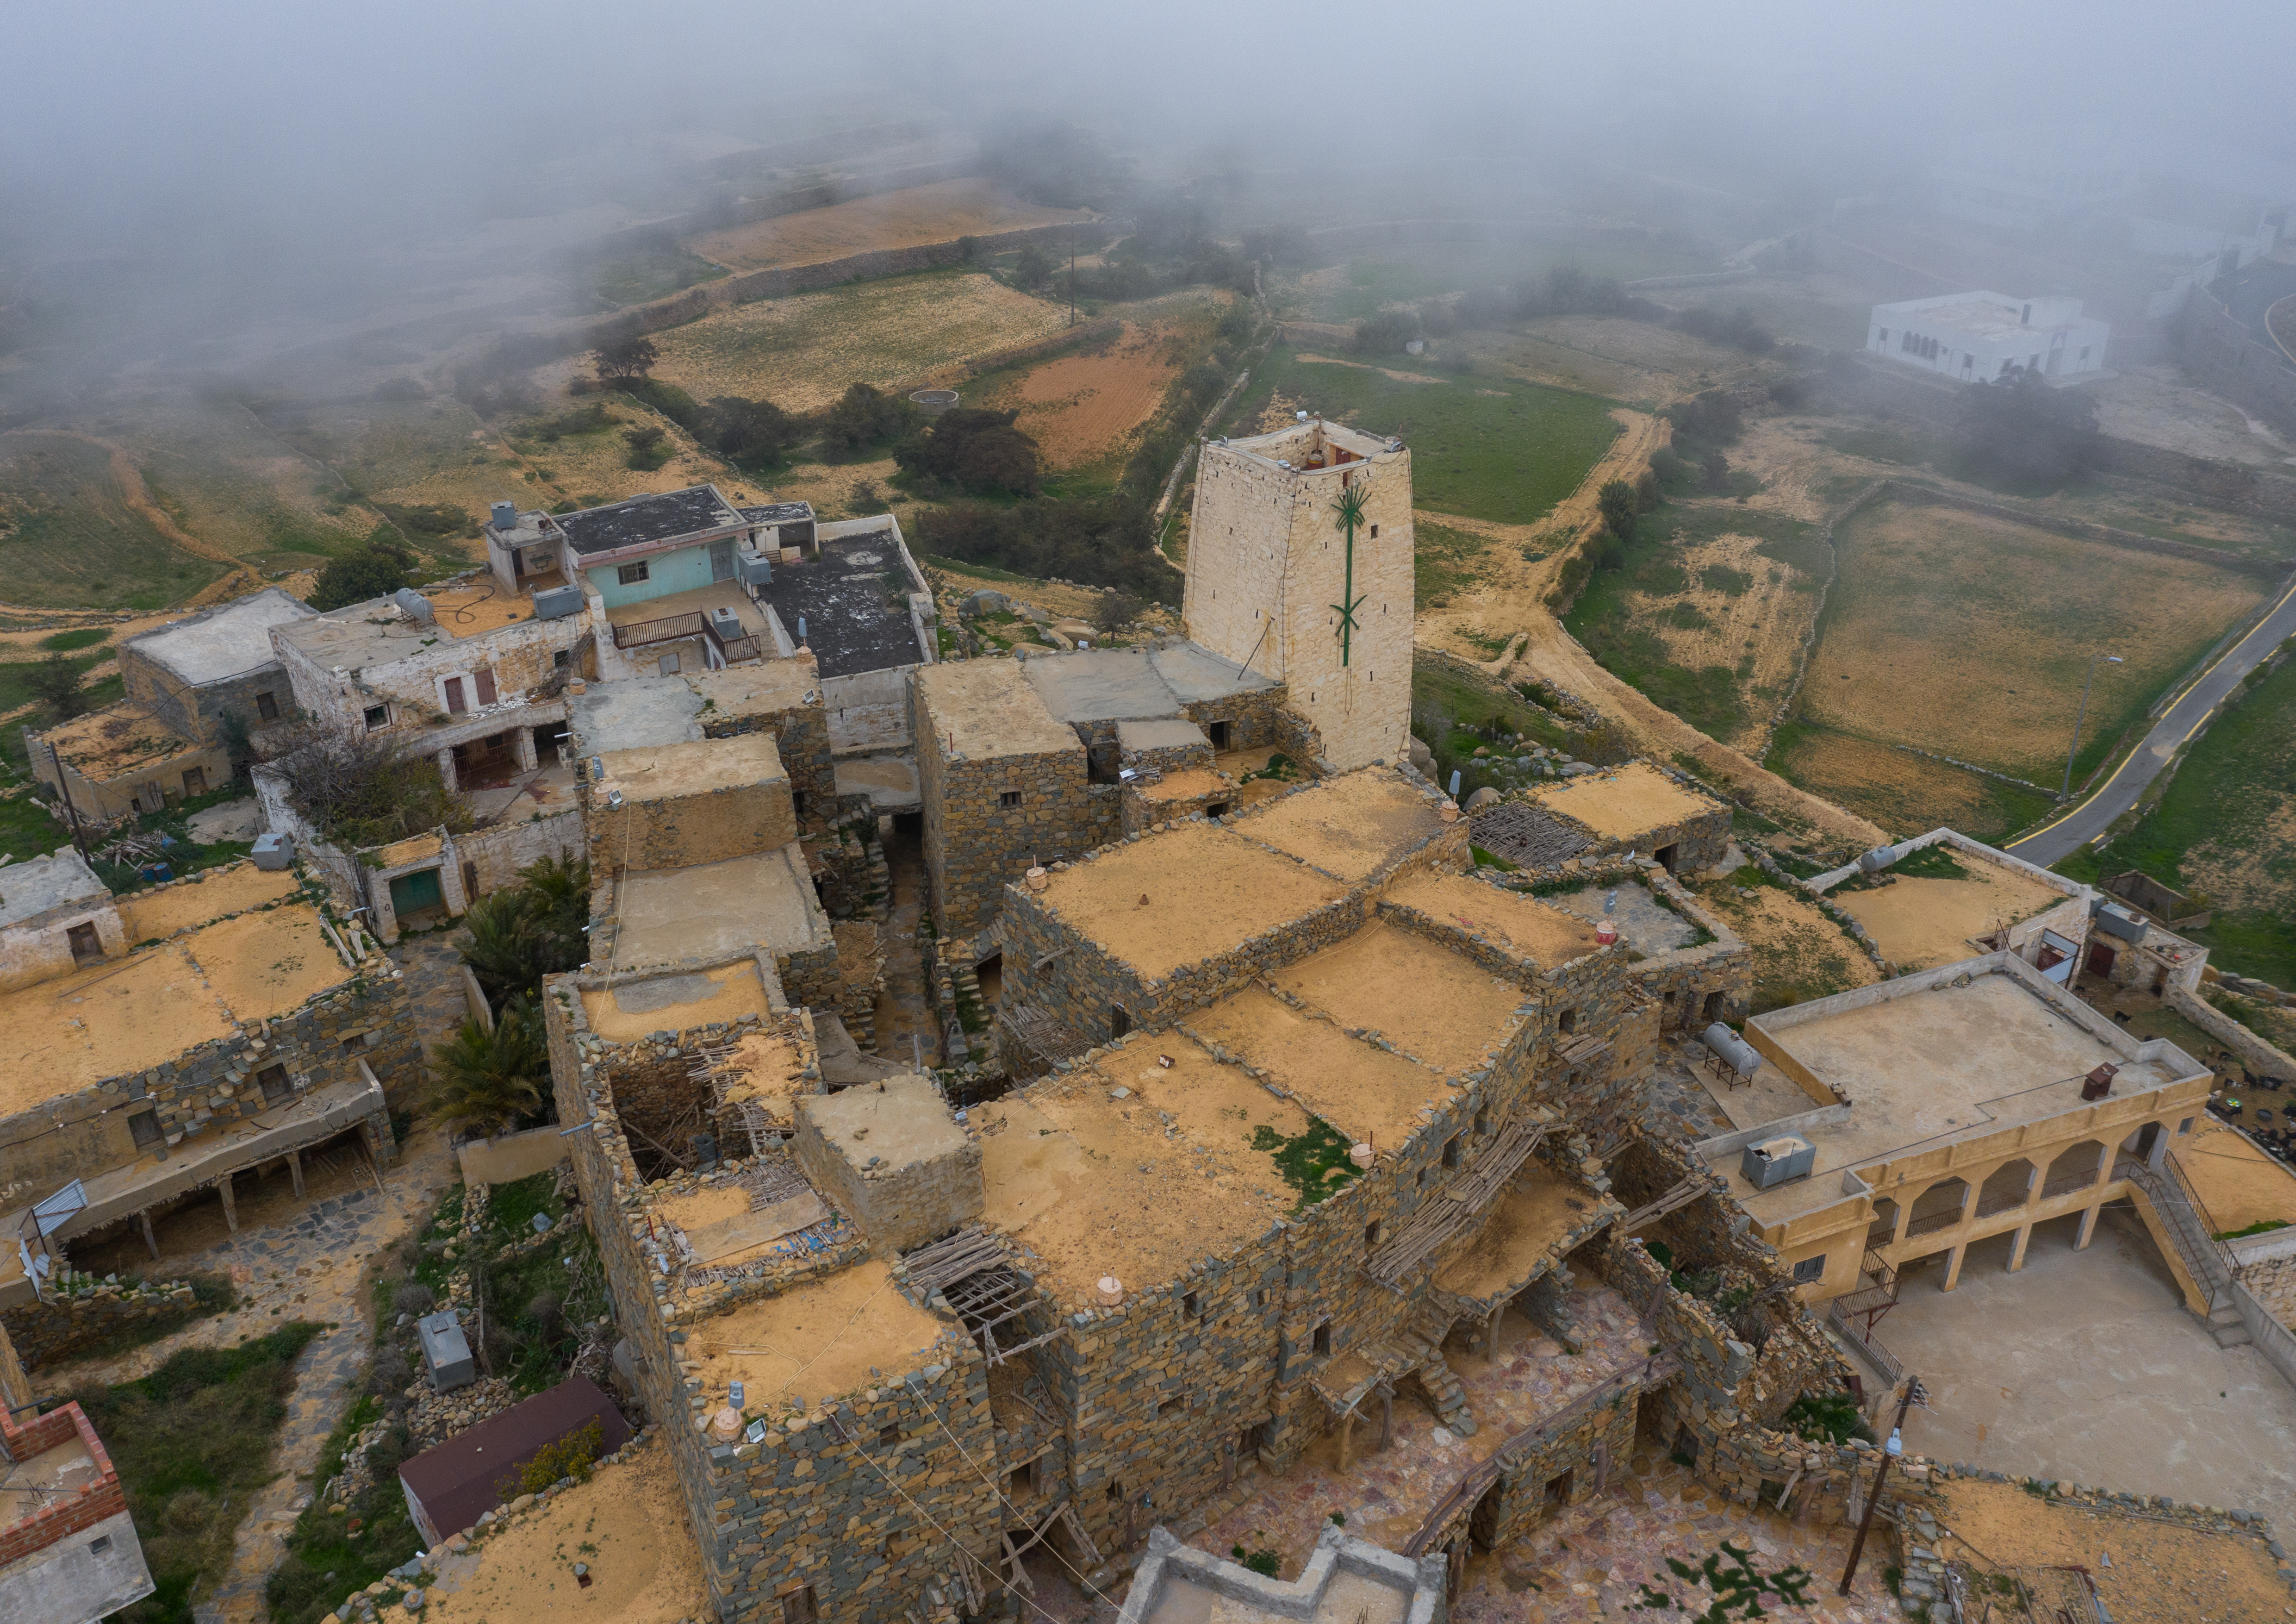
{"x":676,"y":629}
{"x":1871,"y":1346}
{"x":2188,"y":1225}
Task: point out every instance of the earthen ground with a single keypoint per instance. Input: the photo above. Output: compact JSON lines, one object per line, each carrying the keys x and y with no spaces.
{"x":1208,"y":890}
{"x":1799,"y":953}
{"x":940,"y":212}
{"x":2085,"y":1365}
{"x":267,"y":963}
{"x":718,"y":995}
{"x":1362,"y":1090}
{"x":1535,"y":1210}
{"x":1920,"y":922}
{"x":1424,"y":999}
{"x":2236,"y":1182}
{"x":1955,"y":632}
{"x":1185,"y":784}
{"x":627,"y":1524}
{"x":1350,"y":826}
{"x":1082,"y":409}
{"x":815,"y":1342}
{"x":1625,"y":801}
{"x":1549,"y":935}
{"x":2161,"y":1573}
{"x":145,"y":915}
{"x":1913,"y":793}
{"x":1757,"y":633}
{"x":1093,"y":1185}
{"x":804,"y":351}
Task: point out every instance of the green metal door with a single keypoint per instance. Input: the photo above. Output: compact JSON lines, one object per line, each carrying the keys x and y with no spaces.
{"x":412,"y":893}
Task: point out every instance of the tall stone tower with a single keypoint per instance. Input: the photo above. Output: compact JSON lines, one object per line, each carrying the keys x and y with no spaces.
{"x":1279,"y":582}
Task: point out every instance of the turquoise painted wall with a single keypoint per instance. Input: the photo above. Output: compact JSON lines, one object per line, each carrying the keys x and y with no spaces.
{"x":667,"y":572}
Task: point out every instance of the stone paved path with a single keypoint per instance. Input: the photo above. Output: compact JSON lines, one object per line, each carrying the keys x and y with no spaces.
{"x":902,"y":1011}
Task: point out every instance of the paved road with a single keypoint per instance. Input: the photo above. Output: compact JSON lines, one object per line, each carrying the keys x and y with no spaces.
{"x":2092,"y":816}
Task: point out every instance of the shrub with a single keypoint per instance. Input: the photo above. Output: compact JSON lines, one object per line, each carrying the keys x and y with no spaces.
{"x":357,"y":788}
{"x":1115,"y":611}
{"x":1617,"y":502}
{"x":390,"y":1372}
{"x":492,"y":1080}
{"x":2019,"y":432}
{"x":571,"y":1456}
{"x":1388,"y":331}
{"x":56,"y":681}
{"x":413,"y":1297}
{"x":866,"y":416}
{"x":1829,"y":1418}
{"x":978,"y":449}
{"x":1101,"y":541}
{"x":648,"y":446}
{"x":376,"y":570}
{"x":752,"y":433}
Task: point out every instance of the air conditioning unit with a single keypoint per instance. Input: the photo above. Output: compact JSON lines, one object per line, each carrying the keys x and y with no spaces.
{"x":557,"y":603}
{"x":1771,"y":1162}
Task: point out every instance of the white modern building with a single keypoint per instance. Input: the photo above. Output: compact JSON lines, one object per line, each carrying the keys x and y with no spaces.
{"x":1980,"y":337}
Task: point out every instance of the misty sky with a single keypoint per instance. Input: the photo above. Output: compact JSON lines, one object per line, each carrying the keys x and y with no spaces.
{"x":116,"y":120}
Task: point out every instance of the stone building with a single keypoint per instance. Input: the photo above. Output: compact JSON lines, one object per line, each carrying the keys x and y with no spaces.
{"x":69,"y":1554}
{"x":56,"y":917}
{"x":1637,"y":809}
{"x":165,"y":740}
{"x":1308,"y":1155}
{"x":1276,"y":584}
{"x":461,"y":672}
{"x":250,"y":1028}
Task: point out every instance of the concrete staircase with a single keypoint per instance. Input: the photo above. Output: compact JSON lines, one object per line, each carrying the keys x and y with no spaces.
{"x":2181,"y":1226}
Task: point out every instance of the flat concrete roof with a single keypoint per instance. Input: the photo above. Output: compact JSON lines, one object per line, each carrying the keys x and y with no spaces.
{"x":1165,"y":732}
{"x":38,"y":884}
{"x":379,"y":632}
{"x":1257,"y":891}
{"x":1101,"y":685}
{"x":715,"y":909}
{"x":983,"y":709}
{"x":655,"y":519}
{"x":32,"y":1485}
{"x":1352,"y":826}
{"x":633,"y":712}
{"x":1625,"y":801}
{"x":229,"y":640}
{"x":1923,"y":1063}
{"x":853,"y":602}
{"x":694,"y":766}
{"x":758,"y":688}
{"x":1194,"y":674}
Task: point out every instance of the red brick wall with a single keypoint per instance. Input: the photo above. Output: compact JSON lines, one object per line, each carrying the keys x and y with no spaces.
{"x":59,"y":1518}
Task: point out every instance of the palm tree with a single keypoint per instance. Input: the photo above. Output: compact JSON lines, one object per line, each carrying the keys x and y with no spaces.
{"x":490,"y":1080}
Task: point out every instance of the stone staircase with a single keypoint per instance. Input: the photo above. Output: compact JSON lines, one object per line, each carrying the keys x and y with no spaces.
{"x":1443,"y":1393}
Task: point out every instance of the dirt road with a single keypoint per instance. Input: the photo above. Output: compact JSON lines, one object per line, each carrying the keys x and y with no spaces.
{"x":1511,"y":598}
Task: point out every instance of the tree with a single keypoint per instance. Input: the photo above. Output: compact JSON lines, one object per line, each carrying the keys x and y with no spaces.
{"x":979,"y":449}
{"x":754,"y":433}
{"x":356,"y":787}
{"x":1033,"y":269}
{"x":647,"y":450}
{"x":375,"y":570}
{"x":2019,"y":432}
{"x":523,"y":933}
{"x":626,"y":358}
{"x":1616,"y":503}
{"x":489,"y":1081}
{"x":866,"y":416}
{"x":56,"y":681}
{"x":1115,"y":611}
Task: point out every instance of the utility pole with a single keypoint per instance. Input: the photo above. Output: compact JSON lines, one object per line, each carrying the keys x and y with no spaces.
{"x":1071,"y":275}
{"x":1914,"y":1394}
{"x":63,"y":789}
{"x":2081,"y":715}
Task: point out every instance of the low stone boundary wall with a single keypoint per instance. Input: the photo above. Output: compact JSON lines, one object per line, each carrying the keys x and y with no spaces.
{"x":67,"y":1323}
{"x":2254,"y":1053}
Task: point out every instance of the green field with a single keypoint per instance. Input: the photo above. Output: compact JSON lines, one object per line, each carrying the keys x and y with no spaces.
{"x":2227,"y":827}
{"x":1375,"y":277}
{"x":1507,"y":455}
{"x":69,"y":538}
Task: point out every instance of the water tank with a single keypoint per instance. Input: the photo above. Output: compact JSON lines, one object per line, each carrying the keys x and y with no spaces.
{"x":274,"y":851}
{"x":726,"y":623}
{"x":753,"y":570}
{"x":2114,"y":920}
{"x":1770,"y":1162}
{"x":1874,"y":861}
{"x":505,"y":516}
{"x":557,"y":603}
{"x":1741,"y":1054}
{"x":417,"y":606}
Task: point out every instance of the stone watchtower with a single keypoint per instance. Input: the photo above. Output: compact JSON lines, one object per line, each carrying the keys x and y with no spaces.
{"x":1279,"y":580}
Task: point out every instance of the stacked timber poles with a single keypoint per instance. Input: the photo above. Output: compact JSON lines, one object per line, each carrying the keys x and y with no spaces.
{"x":1914,"y":1394}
